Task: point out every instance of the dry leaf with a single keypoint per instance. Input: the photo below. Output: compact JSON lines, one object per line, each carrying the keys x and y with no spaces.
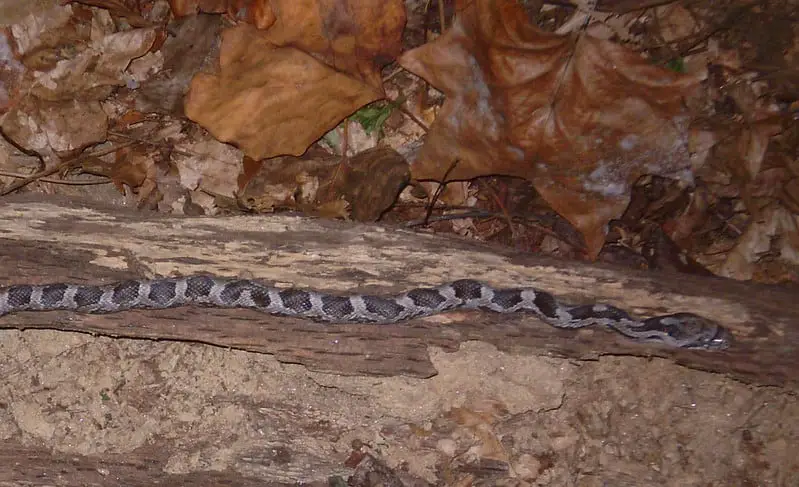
{"x":132,"y":167}
{"x":362,"y":187}
{"x":42,"y":126}
{"x":281,"y":89}
{"x":97,"y":67}
{"x":209,"y":165}
{"x":774,"y":229}
{"x":582,"y":118}
{"x":119,"y":9}
{"x":181,"y":56}
{"x":59,"y":108}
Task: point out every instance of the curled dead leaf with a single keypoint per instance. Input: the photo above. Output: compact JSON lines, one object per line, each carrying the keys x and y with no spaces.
{"x":362,"y":187}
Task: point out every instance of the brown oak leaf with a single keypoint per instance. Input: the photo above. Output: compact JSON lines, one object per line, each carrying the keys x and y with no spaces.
{"x":580,"y":117}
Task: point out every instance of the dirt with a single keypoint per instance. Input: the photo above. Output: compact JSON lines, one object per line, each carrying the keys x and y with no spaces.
{"x":487,"y":418}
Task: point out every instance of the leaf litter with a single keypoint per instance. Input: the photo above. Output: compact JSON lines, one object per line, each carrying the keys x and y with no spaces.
{"x":578,"y":115}
{"x":657,"y":137}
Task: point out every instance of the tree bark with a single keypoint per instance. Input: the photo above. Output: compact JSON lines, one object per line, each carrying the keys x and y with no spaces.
{"x":60,"y":240}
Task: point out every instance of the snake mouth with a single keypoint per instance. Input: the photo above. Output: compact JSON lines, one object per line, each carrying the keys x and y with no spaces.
{"x":722,"y":339}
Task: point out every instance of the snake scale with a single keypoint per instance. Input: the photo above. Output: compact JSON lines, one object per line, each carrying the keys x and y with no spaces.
{"x":681,"y":330}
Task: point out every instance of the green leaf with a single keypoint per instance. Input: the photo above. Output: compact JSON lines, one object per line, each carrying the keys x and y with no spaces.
{"x":373,"y":116}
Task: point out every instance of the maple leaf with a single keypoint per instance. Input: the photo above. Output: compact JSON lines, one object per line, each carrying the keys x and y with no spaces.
{"x":580,"y":117}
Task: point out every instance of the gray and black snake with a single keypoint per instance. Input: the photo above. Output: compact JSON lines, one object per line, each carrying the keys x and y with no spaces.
{"x":682,"y":330}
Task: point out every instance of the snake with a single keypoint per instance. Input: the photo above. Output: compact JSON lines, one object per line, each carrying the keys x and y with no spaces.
{"x":679,"y":330}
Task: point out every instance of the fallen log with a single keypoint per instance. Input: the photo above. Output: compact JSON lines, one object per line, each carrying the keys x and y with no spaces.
{"x":61,"y":240}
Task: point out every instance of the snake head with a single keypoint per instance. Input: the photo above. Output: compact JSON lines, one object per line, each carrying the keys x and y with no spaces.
{"x":687,"y":330}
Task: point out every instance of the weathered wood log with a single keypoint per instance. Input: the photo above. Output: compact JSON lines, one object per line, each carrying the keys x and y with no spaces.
{"x":61,"y":240}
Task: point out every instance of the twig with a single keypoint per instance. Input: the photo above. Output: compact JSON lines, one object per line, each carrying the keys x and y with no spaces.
{"x":161,"y":144}
{"x":413,"y":117}
{"x":520,"y":219}
{"x":58,"y":167}
{"x":504,"y":210}
{"x":67,"y":182}
{"x":440,"y":189}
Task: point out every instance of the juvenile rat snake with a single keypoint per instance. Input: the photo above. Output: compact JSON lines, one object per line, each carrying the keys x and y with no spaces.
{"x":682,"y":330}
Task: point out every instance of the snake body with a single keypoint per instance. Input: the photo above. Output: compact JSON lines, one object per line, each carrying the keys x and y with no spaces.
{"x":681,"y":330}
